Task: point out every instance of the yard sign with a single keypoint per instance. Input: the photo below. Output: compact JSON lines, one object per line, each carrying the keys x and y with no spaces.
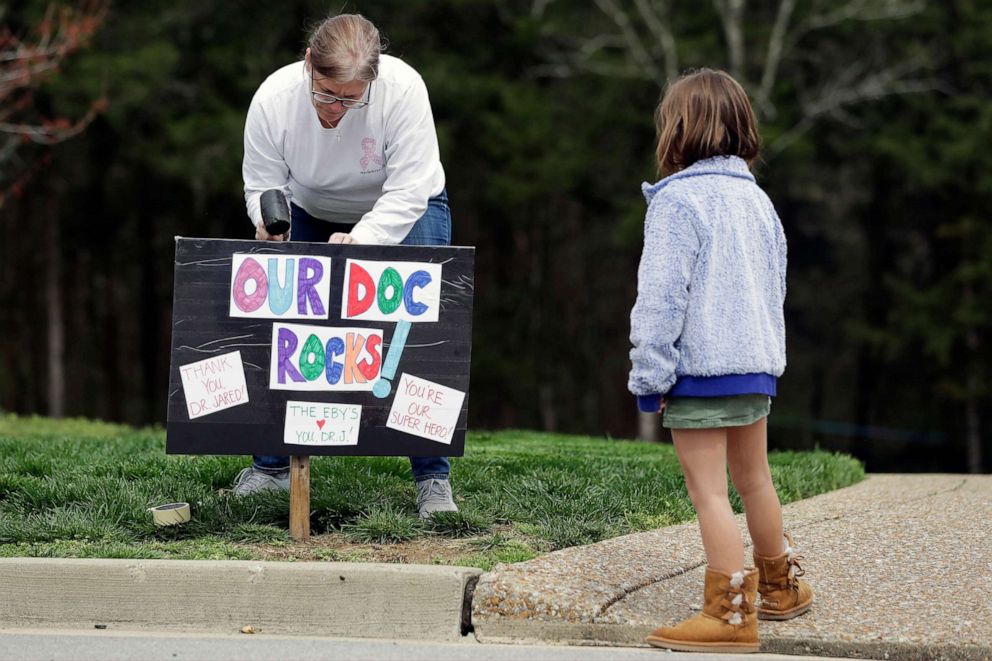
{"x":292,"y":348}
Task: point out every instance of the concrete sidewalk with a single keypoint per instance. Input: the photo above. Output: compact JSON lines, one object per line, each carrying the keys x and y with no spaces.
{"x":900,"y":565}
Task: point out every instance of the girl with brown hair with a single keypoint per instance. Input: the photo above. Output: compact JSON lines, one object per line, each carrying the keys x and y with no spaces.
{"x":708,"y":335}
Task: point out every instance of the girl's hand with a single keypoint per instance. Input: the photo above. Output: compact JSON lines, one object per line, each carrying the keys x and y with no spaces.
{"x":661,"y":409}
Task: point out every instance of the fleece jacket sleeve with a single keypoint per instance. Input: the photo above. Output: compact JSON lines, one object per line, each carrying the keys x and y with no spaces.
{"x":671,"y":245}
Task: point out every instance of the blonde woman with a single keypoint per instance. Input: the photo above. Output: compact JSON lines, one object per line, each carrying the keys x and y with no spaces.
{"x":348,"y":135}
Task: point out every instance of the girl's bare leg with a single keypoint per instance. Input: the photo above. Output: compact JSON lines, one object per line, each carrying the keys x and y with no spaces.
{"x":703,"y":455}
{"x":747,"y":454}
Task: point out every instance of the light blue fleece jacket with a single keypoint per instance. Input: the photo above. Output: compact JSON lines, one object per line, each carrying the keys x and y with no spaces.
{"x":711,"y":283}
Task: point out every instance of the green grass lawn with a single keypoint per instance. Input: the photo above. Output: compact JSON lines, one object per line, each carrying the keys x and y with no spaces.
{"x":77,"y":488}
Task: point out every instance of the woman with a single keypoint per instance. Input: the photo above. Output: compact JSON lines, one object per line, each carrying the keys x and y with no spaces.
{"x":349,"y":137}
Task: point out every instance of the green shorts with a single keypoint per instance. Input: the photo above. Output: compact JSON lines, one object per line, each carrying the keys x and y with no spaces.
{"x":710,"y":412}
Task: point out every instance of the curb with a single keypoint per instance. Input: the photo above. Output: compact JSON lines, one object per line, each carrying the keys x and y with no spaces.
{"x":420,"y":602}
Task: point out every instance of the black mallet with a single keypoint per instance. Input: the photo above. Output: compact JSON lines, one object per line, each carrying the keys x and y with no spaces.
{"x":275,"y":212}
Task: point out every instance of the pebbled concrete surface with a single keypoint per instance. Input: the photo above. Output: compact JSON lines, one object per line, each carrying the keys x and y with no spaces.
{"x":899,"y":563}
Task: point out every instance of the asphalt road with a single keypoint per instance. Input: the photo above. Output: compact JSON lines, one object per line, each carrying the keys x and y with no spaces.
{"x":50,"y":645}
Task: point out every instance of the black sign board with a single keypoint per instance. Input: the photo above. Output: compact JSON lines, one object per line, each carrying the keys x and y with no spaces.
{"x":318,"y":349}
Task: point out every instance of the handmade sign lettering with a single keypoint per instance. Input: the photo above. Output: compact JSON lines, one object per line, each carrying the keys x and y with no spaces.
{"x":425,"y":409}
{"x":309,"y":348}
{"x":322,"y":423}
{"x":324,"y":357}
{"x":280,"y":286}
{"x":391,"y":291}
{"x":383,"y":387}
{"x":214,"y":384}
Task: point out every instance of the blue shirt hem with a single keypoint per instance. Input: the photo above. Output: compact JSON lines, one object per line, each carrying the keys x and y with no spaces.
{"x":649,"y":403}
{"x":725,"y":385}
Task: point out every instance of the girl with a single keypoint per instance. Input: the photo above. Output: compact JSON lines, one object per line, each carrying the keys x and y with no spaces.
{"x":708,"y":338}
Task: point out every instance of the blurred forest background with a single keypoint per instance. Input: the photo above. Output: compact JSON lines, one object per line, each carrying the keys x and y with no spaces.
{"x":121,"y":128}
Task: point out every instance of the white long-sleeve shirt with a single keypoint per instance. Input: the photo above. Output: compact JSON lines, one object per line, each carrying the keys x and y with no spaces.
{"x":377,"y":168}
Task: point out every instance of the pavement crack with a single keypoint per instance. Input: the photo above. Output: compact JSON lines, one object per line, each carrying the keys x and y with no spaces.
{"x":634,"y":588}
{"x":861,"y":513}
{"x":959,"y":486}
{"x":623,"y":594}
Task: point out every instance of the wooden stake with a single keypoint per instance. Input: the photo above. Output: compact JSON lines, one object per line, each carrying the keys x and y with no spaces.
{"x":299,"y":498}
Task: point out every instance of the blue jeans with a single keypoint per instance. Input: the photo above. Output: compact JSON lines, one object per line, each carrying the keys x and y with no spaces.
{"x":433,"y":229}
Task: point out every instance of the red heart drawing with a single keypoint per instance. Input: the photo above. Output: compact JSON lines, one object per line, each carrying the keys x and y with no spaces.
{"x":320,"y":423}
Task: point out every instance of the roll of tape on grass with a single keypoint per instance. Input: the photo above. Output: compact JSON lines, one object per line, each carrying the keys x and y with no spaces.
{"x":171,"y":514}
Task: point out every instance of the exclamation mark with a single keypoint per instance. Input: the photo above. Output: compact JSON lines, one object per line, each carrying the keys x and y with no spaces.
{"x":382,"y":387}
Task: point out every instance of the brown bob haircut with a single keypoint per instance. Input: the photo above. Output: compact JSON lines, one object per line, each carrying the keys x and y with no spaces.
{"x":702,"y":114}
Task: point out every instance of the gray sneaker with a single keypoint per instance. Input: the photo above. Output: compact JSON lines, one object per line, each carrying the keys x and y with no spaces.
{"x":434,"y":496}
{"x":251,"y":480}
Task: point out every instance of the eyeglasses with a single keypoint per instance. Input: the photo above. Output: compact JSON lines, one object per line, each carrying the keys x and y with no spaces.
{"x":324,"y":98}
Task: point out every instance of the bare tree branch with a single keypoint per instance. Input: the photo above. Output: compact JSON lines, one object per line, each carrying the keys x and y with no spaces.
{"x":850,"y":79}
{"x":731,"y":12}
{"x":52,"y":132}
{"x":854,"y":85}
{"x":856,"y":10}
{"x":581,"y":55}
{"x":773,"y":58}
{"x":656,"y":19}
{"x":537,"y":8}
{"x":863,"y":10}
{"x":25,"y":62}
{"x":635,"y":47}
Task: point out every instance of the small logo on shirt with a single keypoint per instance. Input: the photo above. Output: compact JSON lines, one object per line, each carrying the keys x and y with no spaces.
{"x":370,"y":157}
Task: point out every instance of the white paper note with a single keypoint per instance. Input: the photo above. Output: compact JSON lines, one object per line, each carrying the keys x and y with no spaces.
{"x":322,"y":423}
{"x":425,"y":409}
{"x":214,"y":384}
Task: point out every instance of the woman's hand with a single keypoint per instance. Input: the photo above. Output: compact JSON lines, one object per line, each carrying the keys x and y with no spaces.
{"x":262,"y":235}
{"x":340,"y":237}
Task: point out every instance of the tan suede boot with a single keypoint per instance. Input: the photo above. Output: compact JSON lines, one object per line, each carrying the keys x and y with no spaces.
{"x":783,"y":594}
{"x":727,"y":623}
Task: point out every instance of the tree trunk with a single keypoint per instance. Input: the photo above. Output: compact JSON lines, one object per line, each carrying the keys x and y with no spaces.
{"x":56,"y":326}
{"x":647,"y":426}
{"x":973,"y":435}
{"x":549,"y":417}
{"x":148,"y":340}
{"x":113,"y":395}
